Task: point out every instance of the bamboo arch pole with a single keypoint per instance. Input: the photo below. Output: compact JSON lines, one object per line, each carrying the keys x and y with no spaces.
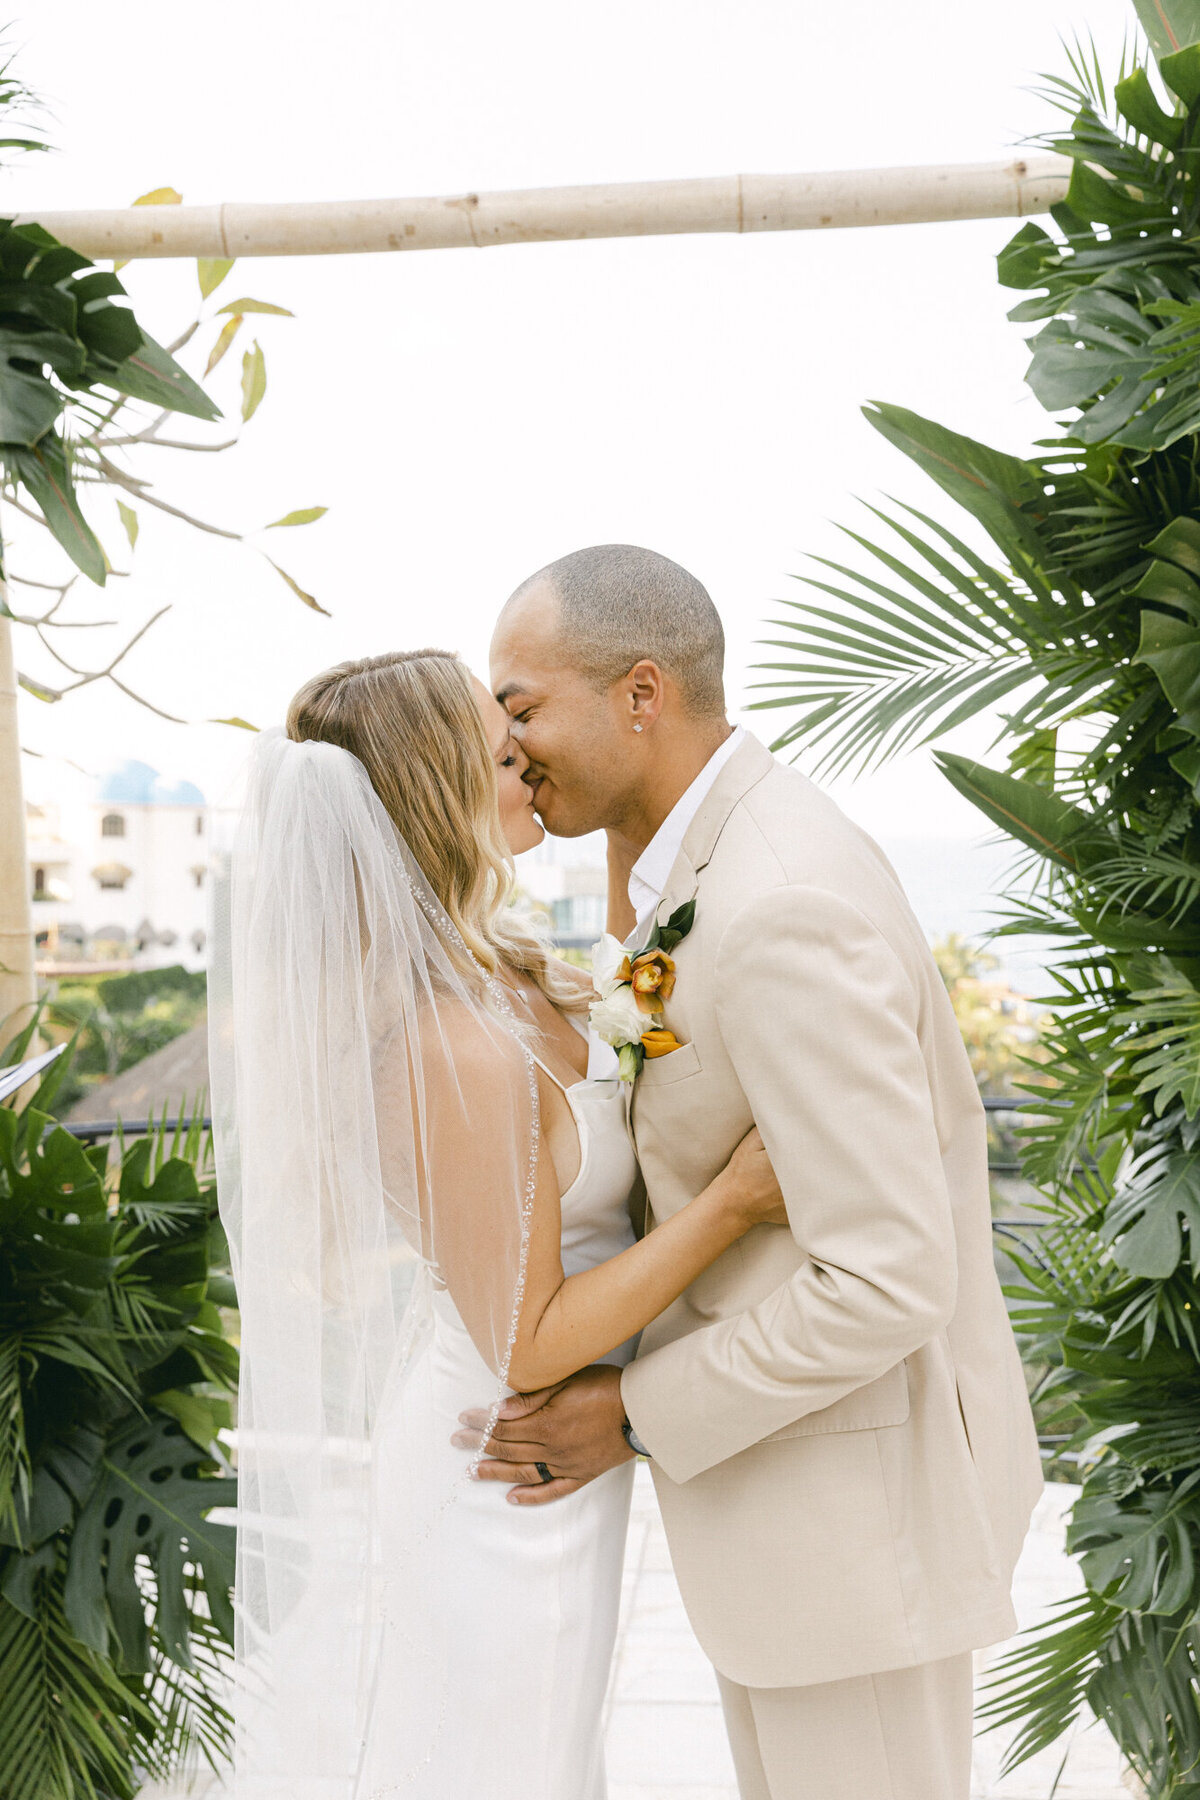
{"x":723,"y":203}
{"x":18,"y":984}
{"x":837,"y":200}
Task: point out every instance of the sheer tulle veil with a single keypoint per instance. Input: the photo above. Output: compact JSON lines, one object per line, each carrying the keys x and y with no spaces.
{"x":352,"y":1035}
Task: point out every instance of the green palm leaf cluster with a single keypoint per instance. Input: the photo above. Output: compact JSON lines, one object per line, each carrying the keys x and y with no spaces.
{"x":1068,"y":602}
{"x":115,"y":1383}
{"x":63,"y":337}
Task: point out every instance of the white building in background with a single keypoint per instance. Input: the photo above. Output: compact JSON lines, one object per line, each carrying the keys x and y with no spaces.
{"x":567,"y":877}
{"x":120,"y":873}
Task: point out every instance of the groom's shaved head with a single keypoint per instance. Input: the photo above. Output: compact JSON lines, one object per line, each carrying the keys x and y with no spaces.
{"x":619,"y":605}
{"x":608,"y":663}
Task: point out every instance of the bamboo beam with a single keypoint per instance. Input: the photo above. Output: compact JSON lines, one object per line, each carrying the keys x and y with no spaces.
{"x":836,"y":200}
{"x":18,"y":982}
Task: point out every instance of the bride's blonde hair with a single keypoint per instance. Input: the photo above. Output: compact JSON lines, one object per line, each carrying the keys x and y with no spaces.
{"x":412,"y":720}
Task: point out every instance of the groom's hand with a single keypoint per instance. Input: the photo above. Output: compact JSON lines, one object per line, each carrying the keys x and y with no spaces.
{"x":573,"y":1428}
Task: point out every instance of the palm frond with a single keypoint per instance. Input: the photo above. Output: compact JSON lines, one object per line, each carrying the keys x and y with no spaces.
{"x":67,"y":1715}
{"x":1041,"y":1686}
{"x":190,"y":1703}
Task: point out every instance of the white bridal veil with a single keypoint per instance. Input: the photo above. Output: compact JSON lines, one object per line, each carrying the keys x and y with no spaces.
{"x":375,"y":1117}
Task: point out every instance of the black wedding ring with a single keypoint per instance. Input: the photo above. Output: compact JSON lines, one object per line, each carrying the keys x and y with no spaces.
{"x":544,"y":1472}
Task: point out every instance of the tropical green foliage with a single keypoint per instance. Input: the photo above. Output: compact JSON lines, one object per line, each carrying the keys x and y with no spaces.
{"x":85,"y":392}
{"x":1069,"y":600}
{"x":115,"y":1382}
{"x":116,"y":1020}
{"x":63,"y":336}
{"x":73,"y":362}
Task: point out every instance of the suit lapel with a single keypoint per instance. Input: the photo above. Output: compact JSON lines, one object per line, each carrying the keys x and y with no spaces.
{"x":744,"y":770}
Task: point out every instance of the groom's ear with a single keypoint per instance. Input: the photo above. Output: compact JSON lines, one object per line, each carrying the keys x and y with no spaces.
{"x":643,"y":693}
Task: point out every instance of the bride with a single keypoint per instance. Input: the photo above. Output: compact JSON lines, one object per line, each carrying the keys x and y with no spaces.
{"x":427,"y":1201}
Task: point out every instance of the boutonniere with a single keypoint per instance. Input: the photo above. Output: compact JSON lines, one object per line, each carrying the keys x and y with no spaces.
{"x":632,"y":987}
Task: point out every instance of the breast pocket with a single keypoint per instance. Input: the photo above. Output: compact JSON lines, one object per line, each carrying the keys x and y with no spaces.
{"x":677,"y":1065}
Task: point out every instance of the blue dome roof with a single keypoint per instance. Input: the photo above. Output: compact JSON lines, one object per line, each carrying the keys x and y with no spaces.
{"x":137,"y":784}
{"x":176,"y":793}
{"x":128,"y":784}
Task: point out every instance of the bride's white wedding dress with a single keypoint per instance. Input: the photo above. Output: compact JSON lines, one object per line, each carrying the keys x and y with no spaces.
{"x":500,"y":1623}
{"x":402,"y":1631}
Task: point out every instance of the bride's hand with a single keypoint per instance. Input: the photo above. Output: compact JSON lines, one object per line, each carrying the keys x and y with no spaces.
{"x":750,"y":1184}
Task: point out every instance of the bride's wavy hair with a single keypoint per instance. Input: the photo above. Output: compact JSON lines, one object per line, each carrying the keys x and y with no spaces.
{"x":411,"y":719}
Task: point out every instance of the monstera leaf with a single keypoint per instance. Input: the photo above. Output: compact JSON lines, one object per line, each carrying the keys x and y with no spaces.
{"x":151,"y":1501}
{"x":1139,"y":1551}
{"x":60,"y":1243}
{"x":1161,"y":1189}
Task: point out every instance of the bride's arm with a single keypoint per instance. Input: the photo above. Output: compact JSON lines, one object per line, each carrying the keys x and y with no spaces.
{"x":565,"y":1322}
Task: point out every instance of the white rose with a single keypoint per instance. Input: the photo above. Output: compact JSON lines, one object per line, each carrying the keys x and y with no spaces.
{"x":618,"y":1019}
{"x":609,"y":959}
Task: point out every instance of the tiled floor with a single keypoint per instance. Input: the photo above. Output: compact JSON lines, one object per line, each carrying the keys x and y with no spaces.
{"x":665,"y":1739}
{"x":664,"y":1732}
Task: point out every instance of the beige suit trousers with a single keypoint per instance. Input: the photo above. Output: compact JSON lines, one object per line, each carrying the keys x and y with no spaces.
{"x":902,"y":1735}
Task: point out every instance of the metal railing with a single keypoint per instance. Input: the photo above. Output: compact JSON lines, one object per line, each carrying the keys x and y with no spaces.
{"x":94,"y":1131}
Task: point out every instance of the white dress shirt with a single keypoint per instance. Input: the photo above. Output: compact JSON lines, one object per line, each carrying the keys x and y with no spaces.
{"x":649,"y":875}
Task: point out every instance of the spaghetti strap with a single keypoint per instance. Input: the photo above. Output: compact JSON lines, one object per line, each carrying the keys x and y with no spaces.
{"x":554,"y":1078}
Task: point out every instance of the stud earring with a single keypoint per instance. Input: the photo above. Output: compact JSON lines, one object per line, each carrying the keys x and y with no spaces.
{"x":637,"y":728}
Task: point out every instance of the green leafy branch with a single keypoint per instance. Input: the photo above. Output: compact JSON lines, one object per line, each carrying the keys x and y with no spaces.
{"x":77,"y":373}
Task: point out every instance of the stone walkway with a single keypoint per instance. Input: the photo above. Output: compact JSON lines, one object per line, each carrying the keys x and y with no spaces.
{"x":665,"y":1737}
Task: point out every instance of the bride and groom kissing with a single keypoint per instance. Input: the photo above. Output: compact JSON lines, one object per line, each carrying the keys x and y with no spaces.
{"x":483,"y":1263}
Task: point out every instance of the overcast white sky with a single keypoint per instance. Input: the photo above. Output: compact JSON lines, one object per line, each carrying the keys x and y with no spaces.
{"x":467,"y":416}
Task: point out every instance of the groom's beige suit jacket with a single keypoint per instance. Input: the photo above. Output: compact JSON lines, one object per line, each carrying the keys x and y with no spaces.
{"x":842,"y":1445}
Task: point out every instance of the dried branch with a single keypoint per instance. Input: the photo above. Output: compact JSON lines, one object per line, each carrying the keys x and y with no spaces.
{"x":157,"y":442}
{"x":43,"y":756}
{"x":139,"y":489}
{"x":146,"y":436}
{"x":26,"y":511}
{"x":50,"y":587}
{"x":148,"y":704}
{"x":53,"y":624}
{"x":86,"y":675}
{"x":62,"y":589}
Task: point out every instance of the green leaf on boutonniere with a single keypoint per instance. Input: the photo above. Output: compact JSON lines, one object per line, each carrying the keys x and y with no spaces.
{"x":665,"y":937}
{"x":676,"y":927}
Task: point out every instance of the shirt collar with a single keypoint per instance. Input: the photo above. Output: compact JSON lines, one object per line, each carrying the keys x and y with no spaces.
{"x":648,"y":877}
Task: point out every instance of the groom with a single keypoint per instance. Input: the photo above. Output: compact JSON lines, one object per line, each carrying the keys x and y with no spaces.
{"x":835,"y":1412}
